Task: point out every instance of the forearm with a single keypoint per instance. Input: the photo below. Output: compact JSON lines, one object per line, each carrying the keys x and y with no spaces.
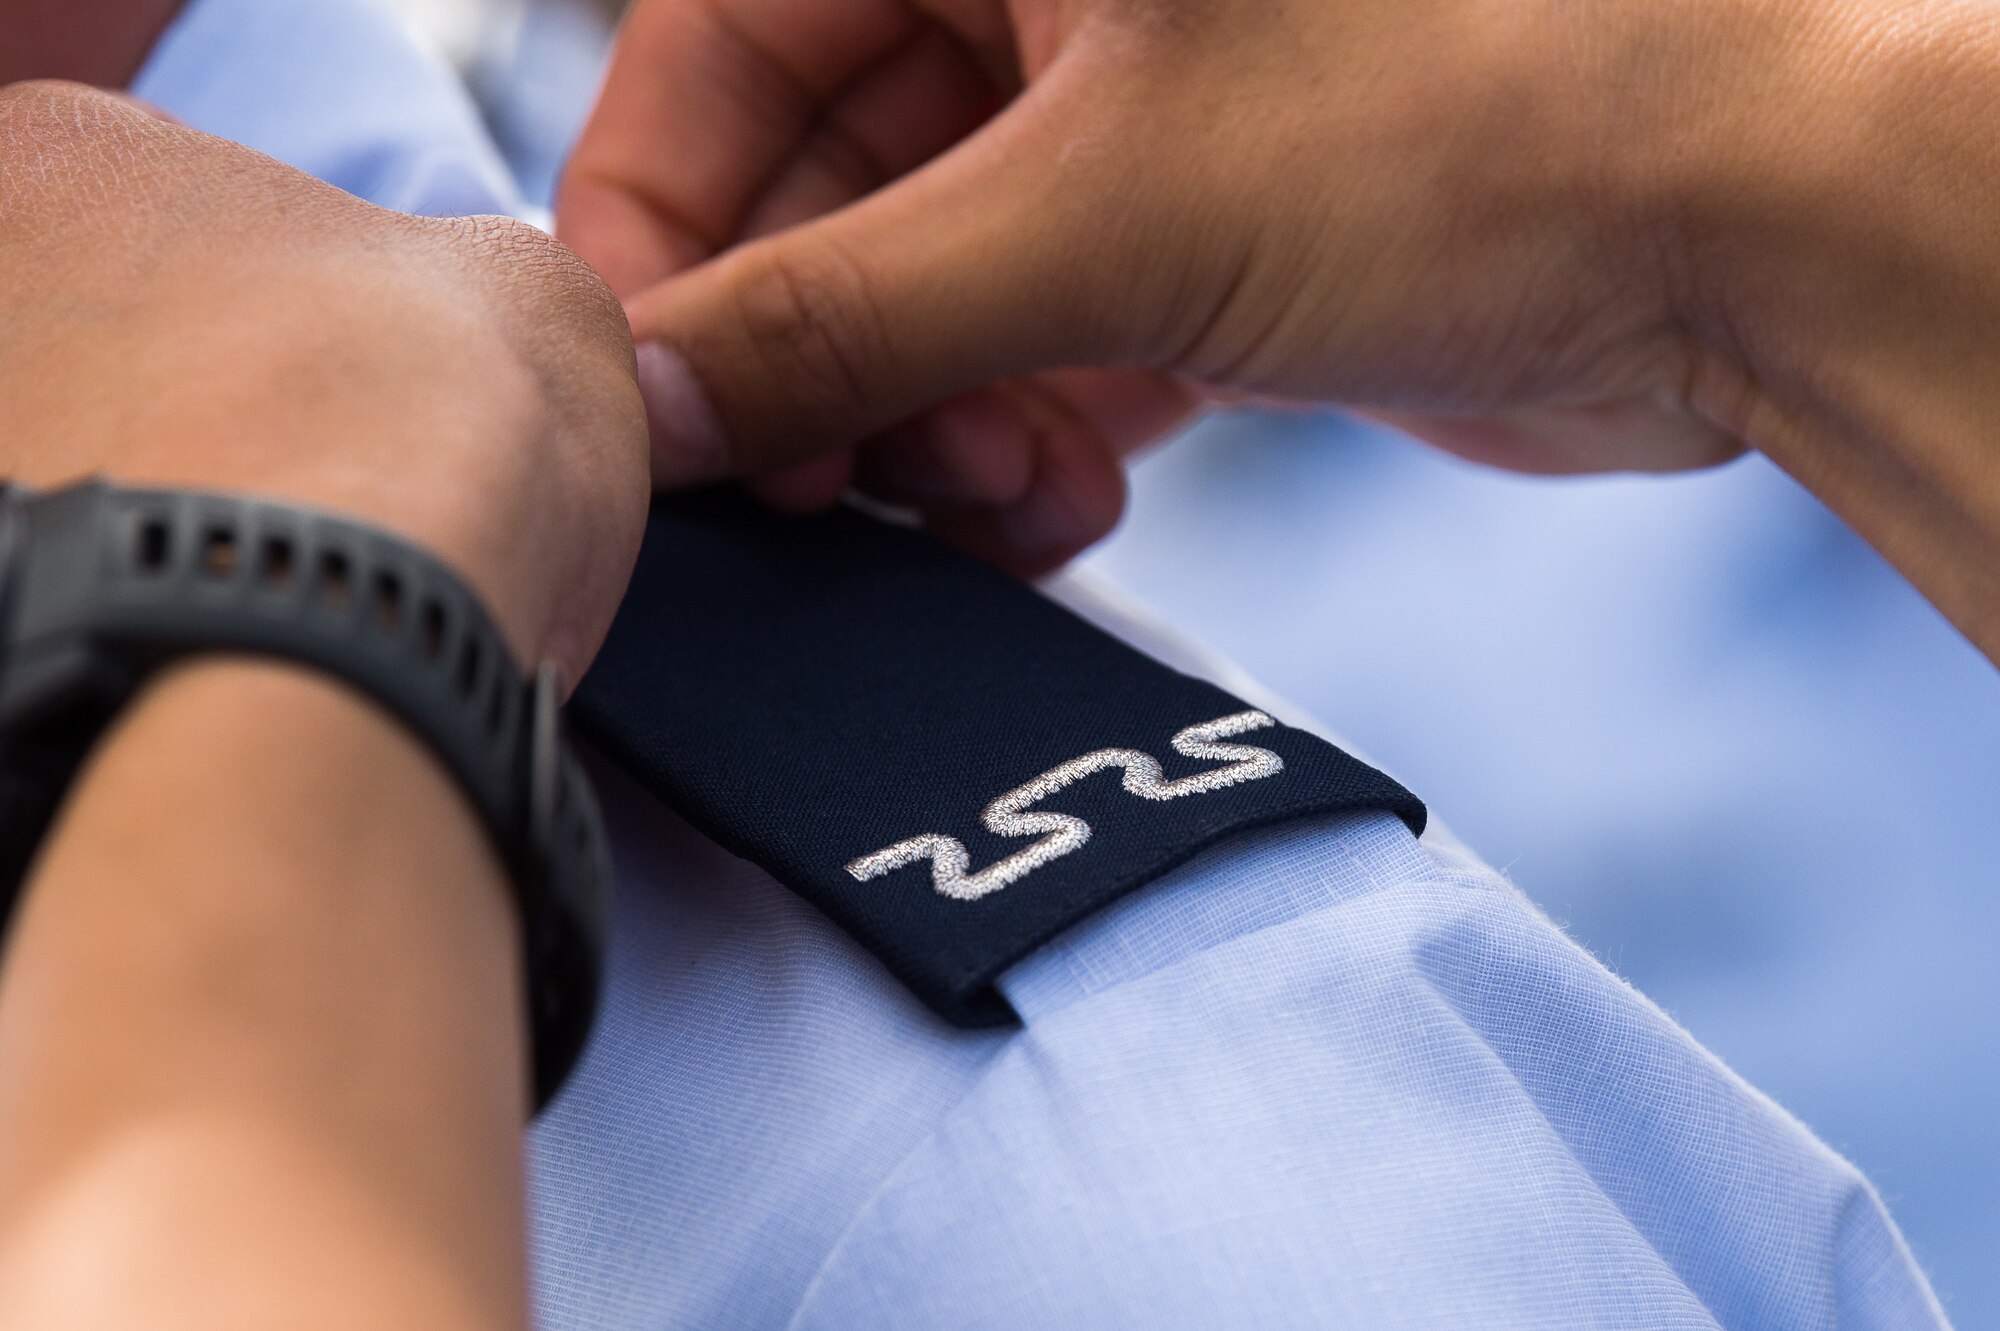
{"x":1845,"y":274}
{"x":260,"y":1037}
{"x":262,"y":1034}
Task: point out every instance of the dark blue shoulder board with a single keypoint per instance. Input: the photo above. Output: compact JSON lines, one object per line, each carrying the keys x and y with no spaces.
{"x":950,"y":765}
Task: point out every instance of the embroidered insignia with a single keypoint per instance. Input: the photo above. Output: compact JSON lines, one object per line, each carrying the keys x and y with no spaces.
{"x":1063,"y":833}
{"x":803,"y":690}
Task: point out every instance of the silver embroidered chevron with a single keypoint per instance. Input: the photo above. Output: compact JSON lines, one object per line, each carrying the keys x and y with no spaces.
{"x":1062,"y":833}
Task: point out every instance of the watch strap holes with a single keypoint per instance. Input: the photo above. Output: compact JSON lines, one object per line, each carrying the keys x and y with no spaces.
{"x":218,"y":553}
{"x":336,"y":580}
{"x":430,"y":630}
{"x":274,"y":563}
{"x":152,"y":545}
{"x":387,"y":601}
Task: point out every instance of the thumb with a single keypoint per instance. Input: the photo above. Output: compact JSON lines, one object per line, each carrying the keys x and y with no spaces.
{"x":988,"y":262}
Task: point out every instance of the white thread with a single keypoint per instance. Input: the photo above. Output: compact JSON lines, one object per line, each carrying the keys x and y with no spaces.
{"x":1062,"y":833}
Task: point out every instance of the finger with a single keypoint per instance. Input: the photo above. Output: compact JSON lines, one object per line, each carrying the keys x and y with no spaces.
{"x":1073,"y":500}
{"x":983,"y":449}
{"x":918,"y":101}
{"x":703,"y":101}
{"x":975,"y":450}
{"x":978,"y":449}
{"x":995,"y":259}
{"x":807,"y":487}
{"x":1129,"y":408}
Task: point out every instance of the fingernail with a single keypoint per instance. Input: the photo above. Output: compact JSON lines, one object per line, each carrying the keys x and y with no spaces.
{"x":688,"y":442}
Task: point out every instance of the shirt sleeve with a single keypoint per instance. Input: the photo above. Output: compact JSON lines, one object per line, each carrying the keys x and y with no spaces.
{"x":1322,"y":1078}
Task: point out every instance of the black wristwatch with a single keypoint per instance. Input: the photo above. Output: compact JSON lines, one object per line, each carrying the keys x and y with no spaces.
{"x":102,"y":586}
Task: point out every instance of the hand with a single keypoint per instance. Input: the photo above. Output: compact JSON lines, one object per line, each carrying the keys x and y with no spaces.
{"x":1550,"y":236}
{"x":1449,"y":212}
{"x":261,"y":1056}
{"x":176,"y":309}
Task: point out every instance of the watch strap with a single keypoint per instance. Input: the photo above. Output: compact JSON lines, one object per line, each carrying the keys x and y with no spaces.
{"x":104,"y":586}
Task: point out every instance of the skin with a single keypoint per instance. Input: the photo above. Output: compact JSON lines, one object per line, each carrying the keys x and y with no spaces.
{"x":971,"y":253}
{"x":966,"y":254}
{"x":261,"y":1024}
{"x":157,"y":324}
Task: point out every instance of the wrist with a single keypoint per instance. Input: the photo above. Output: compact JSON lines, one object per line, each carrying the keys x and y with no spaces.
{"x":1836,"y":270}
{"x":106,"y":587}
{"x":250,"y":833}
{"x":267,"y":915}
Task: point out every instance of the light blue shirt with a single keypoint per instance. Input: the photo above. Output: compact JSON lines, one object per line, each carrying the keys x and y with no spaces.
{"x":1323,"y":1075}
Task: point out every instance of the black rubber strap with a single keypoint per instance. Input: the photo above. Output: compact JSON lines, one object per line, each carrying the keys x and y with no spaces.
{"x":105,"y":586}
{"x":856,"y":708}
